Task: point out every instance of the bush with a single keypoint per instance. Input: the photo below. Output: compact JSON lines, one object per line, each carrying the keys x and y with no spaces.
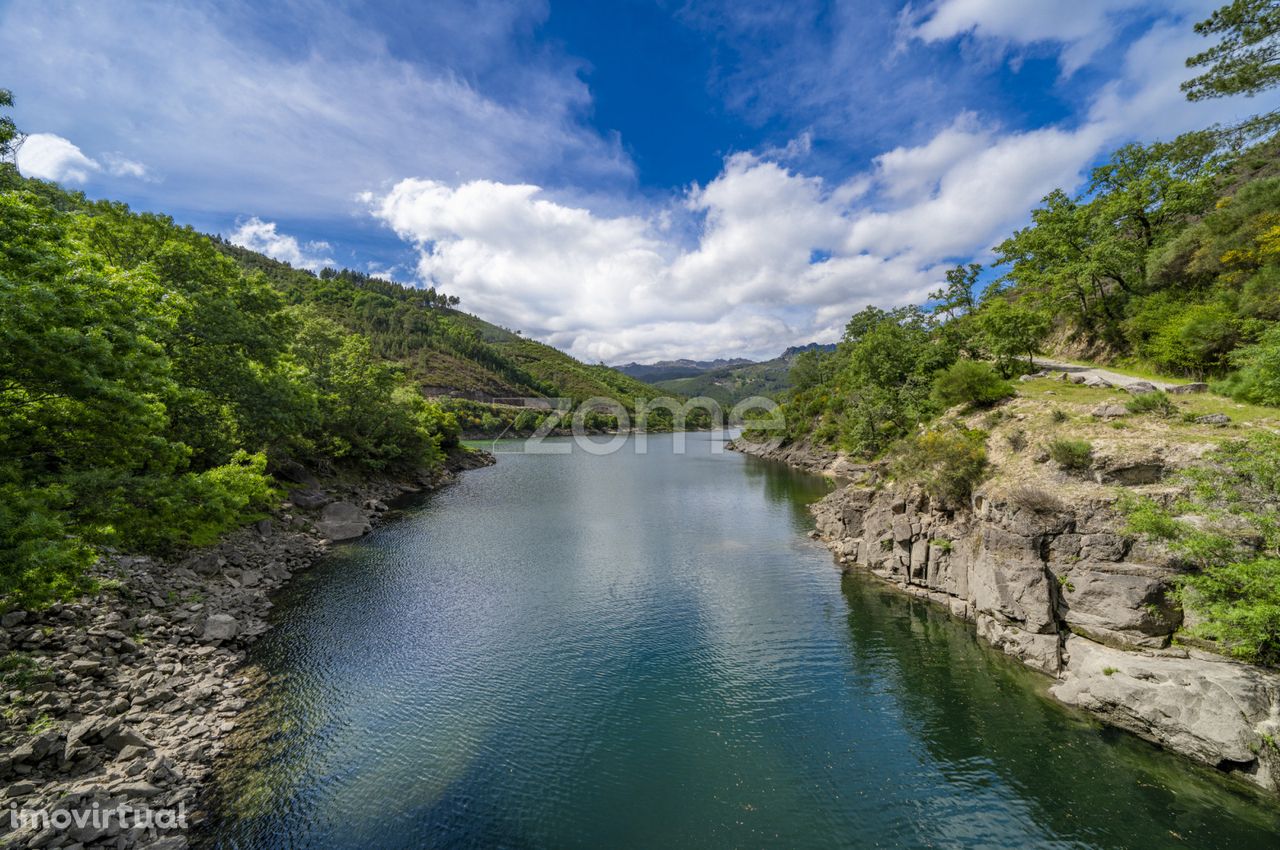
{"x":1035,"y":499}
{"x":1258,"y":378}
{"x":1239,"y":606}
{"x":1071,"y":454}
{"x":1157,"y":403}
{"x":1017,"y":440}
{"x":1235,"y":590}
{"x":946,"y":463}
{"x":970,"y":382}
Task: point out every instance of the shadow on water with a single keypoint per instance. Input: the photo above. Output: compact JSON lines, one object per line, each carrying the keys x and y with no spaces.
{"x":988,"y":720}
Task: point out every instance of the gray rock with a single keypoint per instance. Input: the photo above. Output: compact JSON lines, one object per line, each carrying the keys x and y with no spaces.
{"x":309,"y":499}
{"x":1217,"y":712}
{"x":342,"y":521}
{"x":1140,"y":388}
{"x":1097,"y":382}
{"x":220,"y":627}
{"x":1110,"y":411}
{"x":12,"y":619}
{"x":1186,"y":389}
{"x":1213,"y":419}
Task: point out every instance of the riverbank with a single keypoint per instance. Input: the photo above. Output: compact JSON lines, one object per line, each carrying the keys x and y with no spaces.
{"x":1040,"y":564}
{"x":127,"y":696}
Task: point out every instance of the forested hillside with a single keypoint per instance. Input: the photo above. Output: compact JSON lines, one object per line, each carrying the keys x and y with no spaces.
{"x":733,"y":382}
{"x":155,"y":378}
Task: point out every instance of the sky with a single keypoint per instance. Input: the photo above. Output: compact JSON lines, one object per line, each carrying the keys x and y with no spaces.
{"x":631,"y":180}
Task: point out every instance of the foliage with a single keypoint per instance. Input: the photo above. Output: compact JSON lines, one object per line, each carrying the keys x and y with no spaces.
{"x":1071,"y":454}
{"x":946,"y":462}
{"x":1235,"y":548}
{"x":970,"y":382}
{"x":1258,"y":378}
{"x":148,"y":382}
{"x":1008,"y":331}
{"x":1157,"y":403}
{"x":1246,"y":60}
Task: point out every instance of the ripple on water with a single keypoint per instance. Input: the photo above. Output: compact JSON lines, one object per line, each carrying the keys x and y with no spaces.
{"x":640,"y":651}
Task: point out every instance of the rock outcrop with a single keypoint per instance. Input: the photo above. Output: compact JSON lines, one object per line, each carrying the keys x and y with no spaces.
{"x":1059,"y":587}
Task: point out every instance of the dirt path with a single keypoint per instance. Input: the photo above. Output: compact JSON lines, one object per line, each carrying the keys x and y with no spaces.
{"x":1114,"y":378}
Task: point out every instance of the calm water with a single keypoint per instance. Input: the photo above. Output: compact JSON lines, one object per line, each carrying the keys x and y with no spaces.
{"x":646,"y":651}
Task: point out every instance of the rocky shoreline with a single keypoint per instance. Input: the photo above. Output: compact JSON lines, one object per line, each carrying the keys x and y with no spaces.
{"x":125,"y":698}
{"x":1046,"y":575}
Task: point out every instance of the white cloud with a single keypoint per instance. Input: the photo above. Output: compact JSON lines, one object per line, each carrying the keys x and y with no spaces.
{"x":262,"y":236}
{"x":776,"y":257}
{"x":51,"y":157}
{"x":295,"y":124}
{"x":1082,"y":28}
{"x":121,"y":166}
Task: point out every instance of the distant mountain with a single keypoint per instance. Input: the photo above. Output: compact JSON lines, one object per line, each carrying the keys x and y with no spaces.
{"x":667,"y":370}
{"x":727,"y":381}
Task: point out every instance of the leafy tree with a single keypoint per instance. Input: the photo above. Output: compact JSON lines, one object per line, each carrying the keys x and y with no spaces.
{"x":970,"y":382}
{"x":1008,"y":331}
{"x":1246,"y":59}
{"x":9,"y":136}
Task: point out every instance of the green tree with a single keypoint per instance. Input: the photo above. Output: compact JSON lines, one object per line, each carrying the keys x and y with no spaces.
{"x":1246,"y":59}
{"x":1008,"y":331}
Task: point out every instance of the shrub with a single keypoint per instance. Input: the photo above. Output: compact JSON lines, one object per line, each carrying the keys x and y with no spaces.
{"x":946,"y":463}
{"x":1017,"y":440}
{"x":970,"y":382}
{"x":1157,"y":403}
{"x":1058,"y":416}
{"x":1239,"y":606}
{"x":1071,"y":454}
{"x":1036,"y":499}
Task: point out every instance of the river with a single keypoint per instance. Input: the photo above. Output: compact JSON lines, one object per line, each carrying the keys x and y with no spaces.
{"x":645,"y":650}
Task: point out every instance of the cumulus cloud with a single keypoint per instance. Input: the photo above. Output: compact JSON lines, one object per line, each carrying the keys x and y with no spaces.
{"x":51,"y":157}
{"x":775,"y":257}
{"x":263,"y":236}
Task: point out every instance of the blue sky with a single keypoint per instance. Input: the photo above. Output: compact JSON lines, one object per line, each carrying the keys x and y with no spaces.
{"x":634,"y":179}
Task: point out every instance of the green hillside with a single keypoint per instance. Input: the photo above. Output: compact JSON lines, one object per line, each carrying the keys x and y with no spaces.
{"x":731,"y":384}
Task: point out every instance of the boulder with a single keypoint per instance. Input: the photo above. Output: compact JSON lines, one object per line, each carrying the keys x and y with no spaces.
{"x":309,"y":499}
{"x":1213,"y":419}
{"x":1110,"y":411}
{"x":1186,"y":389}
{"x":1218,"y":712}
{"x":342,"y":521}
{"x":1097,"y":382}
{"x":1140,"y":388}
{"x":1120,"y":608}
{"x":220,"y":627}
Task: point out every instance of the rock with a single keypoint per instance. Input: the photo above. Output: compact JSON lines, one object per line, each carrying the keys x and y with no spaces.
{"x":1213,"y":419}
{"x":1121,"y":608}
{"x":342,"y":521}
{"x":309,"y":499}
{"x":1185,"y":389}
{"x":1219,"y":713}
{"x":1140,"y":388}
{"x":1097,"y":382}
{"x":1110,"y":411}
{"x":126,"y":738}
{"x":220,"y":627}
{"x":12,"y":619}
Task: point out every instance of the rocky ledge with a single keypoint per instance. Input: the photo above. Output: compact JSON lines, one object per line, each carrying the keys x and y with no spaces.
{"x":1038,"y":561}
{"x":126,"y":697}
{"x":1054,"y":583}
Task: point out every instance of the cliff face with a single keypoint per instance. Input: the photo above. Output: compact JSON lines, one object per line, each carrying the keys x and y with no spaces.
{"x":1038,"y":562}
{"x":1059,"y":588}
